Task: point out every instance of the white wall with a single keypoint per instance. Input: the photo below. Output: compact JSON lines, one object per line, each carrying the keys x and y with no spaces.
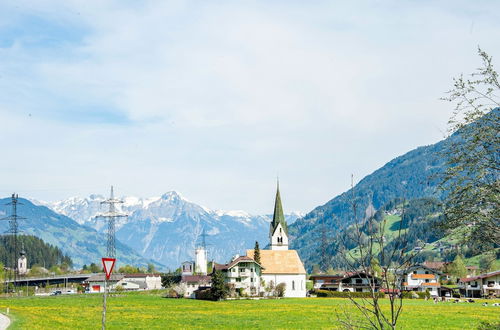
{"x":299,"y":281}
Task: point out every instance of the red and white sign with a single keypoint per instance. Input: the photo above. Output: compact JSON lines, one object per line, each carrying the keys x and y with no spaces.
{"x":108,"y":264}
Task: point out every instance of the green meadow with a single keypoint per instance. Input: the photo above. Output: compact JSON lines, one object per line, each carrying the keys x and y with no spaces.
{"x":152,"y":311}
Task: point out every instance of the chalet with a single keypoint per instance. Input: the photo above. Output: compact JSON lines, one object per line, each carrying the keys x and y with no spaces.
{"x":421,"y":278}
{"x":348,"y":282}
{"x":484,"y":285}
{"x":242,"y":273}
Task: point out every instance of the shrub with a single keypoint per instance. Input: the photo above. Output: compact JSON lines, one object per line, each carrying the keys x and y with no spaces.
{"x":205,"y":294}
{"x":280,"y":289}
{"x":341,"y":294}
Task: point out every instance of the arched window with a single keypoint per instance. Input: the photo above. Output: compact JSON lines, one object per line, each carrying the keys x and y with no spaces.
{"x":293,"y":285}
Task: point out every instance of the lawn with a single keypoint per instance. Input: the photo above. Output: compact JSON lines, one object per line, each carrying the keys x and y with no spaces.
{"x":146,"y":311}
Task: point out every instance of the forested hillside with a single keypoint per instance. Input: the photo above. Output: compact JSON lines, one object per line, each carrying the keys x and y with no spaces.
{"x":37,"y":251}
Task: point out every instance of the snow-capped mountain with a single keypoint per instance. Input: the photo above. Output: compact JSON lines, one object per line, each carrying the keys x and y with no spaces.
{"x":167,"y":228}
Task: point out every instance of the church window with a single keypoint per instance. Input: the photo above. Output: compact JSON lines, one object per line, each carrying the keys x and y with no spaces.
{"x":293,"y":285}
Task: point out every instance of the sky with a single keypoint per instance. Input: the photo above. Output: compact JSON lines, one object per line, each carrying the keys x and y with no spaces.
{"x":215,"y":99}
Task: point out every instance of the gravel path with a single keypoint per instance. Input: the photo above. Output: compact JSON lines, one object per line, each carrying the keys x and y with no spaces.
{"x":4,"y":322}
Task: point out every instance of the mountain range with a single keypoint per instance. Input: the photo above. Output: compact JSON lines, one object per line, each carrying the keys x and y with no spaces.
{"x":167,"y":228}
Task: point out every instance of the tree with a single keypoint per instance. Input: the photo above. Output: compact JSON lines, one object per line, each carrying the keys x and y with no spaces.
{"x":486,"y":262}
{"x":379,"y":263}
{"x":94,"y":268}
{"x":169,"y":279}
{"x":256,"y":253}
{"x":457,"y":267}
{"x":219,"y":289}
{"x":472,"y":178}
{"x":151,"y":268}
{"x":280,"y":290}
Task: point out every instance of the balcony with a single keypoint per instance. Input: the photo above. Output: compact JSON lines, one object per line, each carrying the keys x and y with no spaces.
{"x":245,"y":274}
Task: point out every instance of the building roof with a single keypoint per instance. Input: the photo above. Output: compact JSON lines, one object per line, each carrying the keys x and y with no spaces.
{"x":101,"y":277}
{"x":485,"y":275}
{"x":141,"y":275}
{"x":196,"y":278}
{"x":279,"y":261}
{"x":234,"y":262}
{"x":278,"y":215}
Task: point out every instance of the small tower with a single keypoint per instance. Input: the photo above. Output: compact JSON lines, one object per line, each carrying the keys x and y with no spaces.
{"x":22,"y":263}
{"x":201,"y":261}
{"x":278,"y":232}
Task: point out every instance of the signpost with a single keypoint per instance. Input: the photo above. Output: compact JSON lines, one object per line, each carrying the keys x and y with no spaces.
{"x":108,"y":264}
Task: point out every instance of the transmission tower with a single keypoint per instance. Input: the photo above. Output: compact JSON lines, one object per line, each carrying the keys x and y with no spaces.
{"x":111,"y":217}
{"x":12,"y":232}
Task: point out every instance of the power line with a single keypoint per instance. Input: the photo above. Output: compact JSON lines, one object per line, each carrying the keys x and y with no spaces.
{"x":111,"y":217}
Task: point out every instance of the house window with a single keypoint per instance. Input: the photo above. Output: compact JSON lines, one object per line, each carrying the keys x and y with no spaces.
{"x":427,"y":272}
{"x":251,"y":279}
{"x":414,"y":272}
{"x":359,"y":281}
{"x":359,"y":290}
{"x":233,"y":270}
{"x":293,"y":285}
{"x":426,"y":281}
{"x":238,"y":279}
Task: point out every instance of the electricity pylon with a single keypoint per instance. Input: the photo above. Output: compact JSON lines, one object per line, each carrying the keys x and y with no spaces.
{"x":12,"y":232}
{"x":111,"y":216}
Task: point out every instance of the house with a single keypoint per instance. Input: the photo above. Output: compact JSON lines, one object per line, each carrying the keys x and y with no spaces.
{"x":348,"y":282}
{"x":242,"y":273}
{"x":421,"y":278}
{"x":484,"y":285}
{"x":326,"y":282}
{"x":195,"y":282}
{"x":129,"y":282}
{"x":279,"y":264}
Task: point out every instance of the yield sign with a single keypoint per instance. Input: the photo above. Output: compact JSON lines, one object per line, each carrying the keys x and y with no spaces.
{"x":108,"y":264}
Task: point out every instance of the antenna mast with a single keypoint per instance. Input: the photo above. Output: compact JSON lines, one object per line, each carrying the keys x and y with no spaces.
{"x":111,"y":217}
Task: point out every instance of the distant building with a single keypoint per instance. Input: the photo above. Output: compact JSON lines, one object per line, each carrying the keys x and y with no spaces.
{"x":194,"y":283}
{"x":22,"y":263}
{"x":348,"y":282}
{"x":129,"y":282}
{"x":242,"y":273}
{"x":484,"y":285}
{"x":421,"y":278}
{"x":187,"y":268}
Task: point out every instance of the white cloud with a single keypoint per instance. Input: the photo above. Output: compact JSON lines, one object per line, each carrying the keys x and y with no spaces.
{"x":220,"y":96}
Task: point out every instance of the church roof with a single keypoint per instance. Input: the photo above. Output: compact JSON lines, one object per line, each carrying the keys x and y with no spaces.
{"x":279,"y":261}
{"x":278,"y":215}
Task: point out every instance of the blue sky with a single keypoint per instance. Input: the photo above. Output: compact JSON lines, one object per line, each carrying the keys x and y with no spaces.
{"x":214,"y":99}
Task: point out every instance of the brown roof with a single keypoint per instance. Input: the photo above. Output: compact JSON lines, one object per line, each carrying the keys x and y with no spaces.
{"x":435,"y":264}
{"x":234,"y":262}
{"x":196,"y":278}
{"x":100,"y":278}
{"x":141,"y":275}
{"x":280,"y":261}
{"x":486,"y":275}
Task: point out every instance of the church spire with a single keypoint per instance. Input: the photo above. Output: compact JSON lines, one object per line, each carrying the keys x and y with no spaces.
{"x":278,"y":216}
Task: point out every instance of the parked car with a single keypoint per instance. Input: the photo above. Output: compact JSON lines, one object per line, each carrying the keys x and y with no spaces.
{"x":56,"y":293}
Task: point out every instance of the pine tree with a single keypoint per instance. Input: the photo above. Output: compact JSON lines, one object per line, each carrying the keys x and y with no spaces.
{"x":218,"y":290}
{"x":256,"y":253}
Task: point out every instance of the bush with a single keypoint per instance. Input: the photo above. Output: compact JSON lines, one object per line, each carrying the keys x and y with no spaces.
{"x":340,"y":294}
{"x":416,"y":295}
{"x":280,"y":289}
{"x":205,"y":294}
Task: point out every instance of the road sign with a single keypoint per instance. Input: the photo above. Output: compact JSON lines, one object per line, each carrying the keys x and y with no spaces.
{"x":108,"y":264}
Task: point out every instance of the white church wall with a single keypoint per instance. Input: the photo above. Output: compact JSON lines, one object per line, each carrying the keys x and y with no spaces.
{"x":279,"y":239}
{"x":295,"y":284}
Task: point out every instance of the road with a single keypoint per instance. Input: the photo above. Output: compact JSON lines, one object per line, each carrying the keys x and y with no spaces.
{"x":4,"y":322}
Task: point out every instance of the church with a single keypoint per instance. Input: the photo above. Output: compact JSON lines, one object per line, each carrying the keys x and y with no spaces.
{"x":281,"y":265}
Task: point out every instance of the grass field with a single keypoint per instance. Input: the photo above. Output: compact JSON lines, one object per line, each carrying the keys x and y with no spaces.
{"x":146,"y":311}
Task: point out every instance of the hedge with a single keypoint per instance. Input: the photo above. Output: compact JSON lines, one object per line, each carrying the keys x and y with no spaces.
{"x":341,"y":294}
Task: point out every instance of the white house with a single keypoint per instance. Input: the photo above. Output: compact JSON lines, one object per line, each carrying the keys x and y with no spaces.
{"x":129,"y":282}
{"x":279,"y":264}
{"x":487,"y":284}
{"x":347,"y":282}
{"x":421,"y":278}
{"x":242,"y":273}
{"x":195,"y":282}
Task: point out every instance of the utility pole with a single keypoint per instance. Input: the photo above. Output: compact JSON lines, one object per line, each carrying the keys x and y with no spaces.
{"x":111,"y":217}
{"x":12,"y":232}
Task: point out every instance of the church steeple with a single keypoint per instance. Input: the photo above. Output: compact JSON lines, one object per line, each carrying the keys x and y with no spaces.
{"x":278,"y":231}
